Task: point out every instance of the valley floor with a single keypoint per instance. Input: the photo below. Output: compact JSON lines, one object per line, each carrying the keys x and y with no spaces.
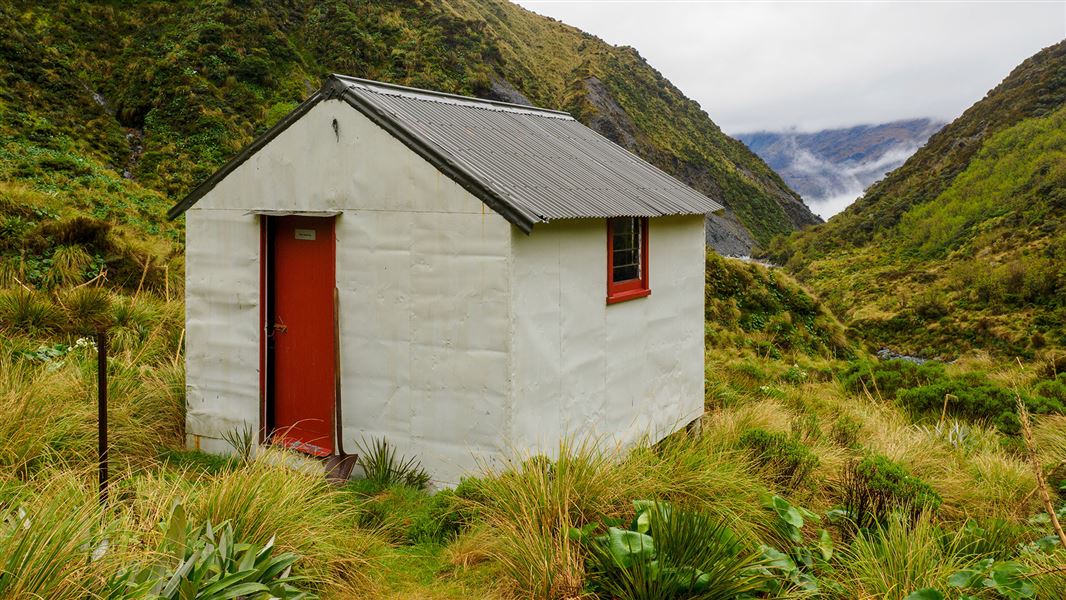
{"x":820,"y":472}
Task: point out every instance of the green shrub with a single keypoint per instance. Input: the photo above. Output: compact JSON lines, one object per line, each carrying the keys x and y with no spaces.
{"x":254,"y":69}
{"x":197,"y":462}
{"x":1052,"y":389}
{"x":787,"y":462}
{"x":887,"y":377}
{"x":795,"y":375}
{"x":439,"y":522}
{"x":931,"y":306}
{"x":974,"y":396}
{"x":747,"y":374}
{"x":407,"y":515}
{"x":755,"y":301}
{"x":399,"y":513}
{"x":875,"y":488}
{"x":450,"y":512}
{"x":845,"y":431}
{"x":922,"y":389}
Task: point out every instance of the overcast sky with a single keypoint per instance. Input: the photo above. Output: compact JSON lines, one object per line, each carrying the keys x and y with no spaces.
{"x":814,"y":65}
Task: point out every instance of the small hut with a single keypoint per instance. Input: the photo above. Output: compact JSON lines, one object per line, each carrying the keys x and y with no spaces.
{"x":467,"y":279}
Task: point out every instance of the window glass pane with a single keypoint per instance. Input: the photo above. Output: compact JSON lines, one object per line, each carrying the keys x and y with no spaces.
{"x":626,"y":273}
{"x":626,"y":249}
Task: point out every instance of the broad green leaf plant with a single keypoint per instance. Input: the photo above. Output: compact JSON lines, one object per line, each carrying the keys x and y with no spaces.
{"x":204,"y":562}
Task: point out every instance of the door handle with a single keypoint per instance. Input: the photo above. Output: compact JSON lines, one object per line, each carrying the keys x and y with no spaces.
{"x":280,"y":328}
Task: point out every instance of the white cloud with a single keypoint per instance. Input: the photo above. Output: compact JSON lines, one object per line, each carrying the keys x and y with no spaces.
{"x":814,"y":65}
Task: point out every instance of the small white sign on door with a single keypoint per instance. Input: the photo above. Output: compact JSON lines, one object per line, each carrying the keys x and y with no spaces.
{"x":305,"y":234}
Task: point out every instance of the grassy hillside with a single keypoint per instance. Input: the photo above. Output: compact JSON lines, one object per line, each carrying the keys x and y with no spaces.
{"x":964,"y":246}
{"x":165,"y":92}
{"x":819,"y":472}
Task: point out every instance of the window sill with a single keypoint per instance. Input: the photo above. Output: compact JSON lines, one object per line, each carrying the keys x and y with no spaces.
{"x":627,"y":295}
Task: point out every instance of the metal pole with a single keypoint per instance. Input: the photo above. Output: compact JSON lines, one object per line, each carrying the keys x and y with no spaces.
{"x":101,"y":409}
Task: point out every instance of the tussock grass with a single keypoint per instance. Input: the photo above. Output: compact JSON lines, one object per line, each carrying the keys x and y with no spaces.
{"x":90,"y":306}
{"x":53,"y":527}
{"x":699,"y":473}
{"x":513,"y":537}
{"x":529,"y":506}
{"x":724,"y":427}
{"x":33,"y":431}
{"x":1050,"y":570}
{"x":47,"y":537}
{"x":994,"y":485}
{"x":899,"y":559}
{"x":48,"y":384}
{"x":1049,"y":438}
{"x":68,"y":267}
{"x":472,"y":547}
{"x":966,"y":464}
{"x":27,"y":311}
{"x":50,"y":412}
{"x":262,"y":499}
{"x":305,"y":514}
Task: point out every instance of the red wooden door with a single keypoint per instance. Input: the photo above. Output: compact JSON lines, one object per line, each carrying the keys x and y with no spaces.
{"x":304,"y":361}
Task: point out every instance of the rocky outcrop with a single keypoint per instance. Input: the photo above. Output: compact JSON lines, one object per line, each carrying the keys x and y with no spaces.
{"x":727,"y":236}
{"x":501,"y":90}
{"x":609,"y":119}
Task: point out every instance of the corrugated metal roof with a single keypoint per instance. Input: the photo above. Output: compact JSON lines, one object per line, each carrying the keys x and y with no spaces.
{"x":529,"y":164}
{"x":544,"y":163}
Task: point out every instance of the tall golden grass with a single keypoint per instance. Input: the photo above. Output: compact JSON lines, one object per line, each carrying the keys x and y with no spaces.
{"x":529,"y":506}
{"x":900,"y":559}
{"x":523,"y":510}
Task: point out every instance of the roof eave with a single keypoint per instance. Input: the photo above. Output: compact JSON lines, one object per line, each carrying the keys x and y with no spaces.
{"x":208,"y":184}
{"x":436,"y":156}
{"x":334,"y":88}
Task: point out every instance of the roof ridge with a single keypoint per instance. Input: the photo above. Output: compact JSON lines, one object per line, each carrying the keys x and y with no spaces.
{"x":380,"y":86}
{"x":564,"y":169}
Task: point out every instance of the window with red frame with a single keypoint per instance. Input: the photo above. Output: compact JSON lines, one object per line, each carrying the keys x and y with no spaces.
{"x":627,"y":259}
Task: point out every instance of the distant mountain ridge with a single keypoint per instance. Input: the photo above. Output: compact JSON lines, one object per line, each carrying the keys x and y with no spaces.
{"x":832,"y":167}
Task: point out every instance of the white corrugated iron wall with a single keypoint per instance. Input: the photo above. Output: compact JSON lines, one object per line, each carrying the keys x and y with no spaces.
{"x":222,"y":324}
{"x":619,"y":372}
{"x":423,"y":281}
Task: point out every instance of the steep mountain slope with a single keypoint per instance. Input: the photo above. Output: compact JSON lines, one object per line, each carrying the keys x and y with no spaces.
{"x":964,"y":246}
{"x":166,"y":91}
{"x":832,"y":167}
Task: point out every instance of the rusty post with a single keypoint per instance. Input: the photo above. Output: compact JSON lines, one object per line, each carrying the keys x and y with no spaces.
{"x":101,"y":408}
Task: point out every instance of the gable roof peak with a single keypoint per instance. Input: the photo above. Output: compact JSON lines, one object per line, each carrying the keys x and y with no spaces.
{"x":345,"y":81}
{"x":531,"y":165}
